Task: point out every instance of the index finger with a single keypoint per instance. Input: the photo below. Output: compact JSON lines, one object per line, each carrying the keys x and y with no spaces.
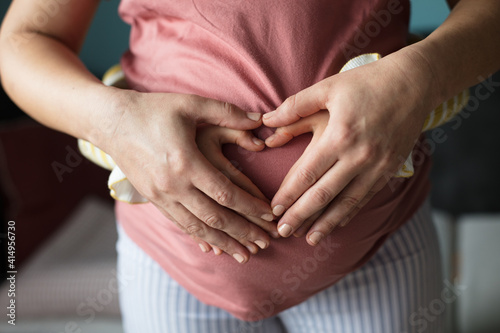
{"x":214,"y":184}
{"x":302,"y":104}
{"x":310,"y":167}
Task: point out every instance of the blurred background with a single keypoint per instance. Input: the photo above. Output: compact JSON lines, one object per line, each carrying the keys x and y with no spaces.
{"x":65,"y":224}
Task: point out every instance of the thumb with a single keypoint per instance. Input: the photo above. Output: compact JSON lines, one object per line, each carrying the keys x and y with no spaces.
{"x":314,"y":123}
{"x":300,"y":105}
{"x":284,"y":134}
{"x":210,"y":111}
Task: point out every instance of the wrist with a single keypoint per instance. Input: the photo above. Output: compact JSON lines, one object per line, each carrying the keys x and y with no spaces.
{"x":111,"y":104}
{"x":421,"y":76}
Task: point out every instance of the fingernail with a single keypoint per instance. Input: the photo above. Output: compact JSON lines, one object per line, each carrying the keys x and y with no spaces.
{"x":261,"y":244}
{"x":271,"y":138}
{"x":252,"y":248}
{"x":267,"y":217}
{"x":278,"y":210}
{"x":285,"y":230}
{"x":203,"y":248}
{"x":268,"y":115}
{"x":315,"y":237}
{"x":258,"y":142}
{"x":239,"y":258}
{"x":254,"y":115}
{"x":217,"y":251}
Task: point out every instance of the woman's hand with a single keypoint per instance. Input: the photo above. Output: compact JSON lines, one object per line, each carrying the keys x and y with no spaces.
{"x":315,"y":123}
{"x":376,"y":113}
{"x":210,"y":139}
{"x":153,"y":141}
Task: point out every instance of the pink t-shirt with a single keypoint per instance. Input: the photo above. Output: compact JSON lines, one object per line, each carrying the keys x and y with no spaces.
{"x":255,"y":54}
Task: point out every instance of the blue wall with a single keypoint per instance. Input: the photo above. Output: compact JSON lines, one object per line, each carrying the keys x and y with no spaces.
{"x":107,"y":39}
{"x":108,"y":36}
{"x":426,"y":15}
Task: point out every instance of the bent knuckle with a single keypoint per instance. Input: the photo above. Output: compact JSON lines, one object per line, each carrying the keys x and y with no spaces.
{"x":228,"y":112}
{"x":163,"y":185}
{"x":224,"y":198}
{"x":224,"y":244}
{"x":154,"y":195}
{"x":344,"y":136}
{"x":368,"y":153}
{"x":177,"y":163}
{"x":250,"y":209}
{"x":243,"y":233}
{"x":194,"y":229}
{"x":321,"y":196}
{"x":158,"y":188}
{"x":290,"y":102}
{"x":329,"y":225}
{"x":306,"y":176}
{"x":349,"y":201}
{"x":214,"y":221}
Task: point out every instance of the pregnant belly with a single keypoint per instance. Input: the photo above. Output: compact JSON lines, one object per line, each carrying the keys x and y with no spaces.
{"x":267,"y":168}
{"x":290,"y":270}
{"x":286,"y":273}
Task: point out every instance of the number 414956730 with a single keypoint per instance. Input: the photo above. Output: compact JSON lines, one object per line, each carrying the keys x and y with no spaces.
{"x":11,"y":244}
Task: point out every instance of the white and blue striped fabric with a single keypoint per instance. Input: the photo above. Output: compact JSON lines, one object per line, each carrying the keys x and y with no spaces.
{"x":399,"y":290}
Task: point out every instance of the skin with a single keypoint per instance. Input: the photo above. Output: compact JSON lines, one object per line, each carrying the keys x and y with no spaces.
{"x":368,"y":131}
{"x":41,"y":72}
{"x":187,"y":181}
{"x":210,"y":140}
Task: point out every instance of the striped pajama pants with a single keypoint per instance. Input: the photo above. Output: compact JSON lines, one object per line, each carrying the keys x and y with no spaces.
{"x":398,"y":291}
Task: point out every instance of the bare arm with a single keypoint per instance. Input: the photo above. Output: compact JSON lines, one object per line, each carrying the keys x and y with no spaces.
{"x":465,"y":48}
{"x":41,"y":72}
{"x":369,"y":130}
{"x":40,"y":69}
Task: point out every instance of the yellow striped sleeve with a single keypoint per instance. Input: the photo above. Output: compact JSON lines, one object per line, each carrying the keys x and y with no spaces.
{"x":438,"y":116}
{"x":96,"y":155}
{"x":444,"y":112}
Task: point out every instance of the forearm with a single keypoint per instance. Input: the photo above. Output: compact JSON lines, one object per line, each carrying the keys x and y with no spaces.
{"x":43,"y":75}
{"x":50,"y":84}
{"x":464,"y":50}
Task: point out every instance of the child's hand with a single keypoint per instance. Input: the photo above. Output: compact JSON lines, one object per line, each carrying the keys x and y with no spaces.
{"x":210,"y":139}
